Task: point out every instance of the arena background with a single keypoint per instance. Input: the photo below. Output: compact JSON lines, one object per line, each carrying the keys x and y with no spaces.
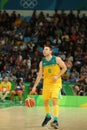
{"x":49,"y":5}
{"x":73,"y":112}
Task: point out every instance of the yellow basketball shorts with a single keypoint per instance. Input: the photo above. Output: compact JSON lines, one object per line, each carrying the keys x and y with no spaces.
{"x":51,"y":93}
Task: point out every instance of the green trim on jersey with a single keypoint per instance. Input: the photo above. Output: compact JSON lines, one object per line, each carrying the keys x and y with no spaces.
{"x":49,"y":63}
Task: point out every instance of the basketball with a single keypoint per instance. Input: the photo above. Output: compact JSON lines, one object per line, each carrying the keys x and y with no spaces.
{"x":29,"y":102}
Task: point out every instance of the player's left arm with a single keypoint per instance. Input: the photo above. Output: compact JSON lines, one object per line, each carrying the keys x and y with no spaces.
{"x":62,"y":65}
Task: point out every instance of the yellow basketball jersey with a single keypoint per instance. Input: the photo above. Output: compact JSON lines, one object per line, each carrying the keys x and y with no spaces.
{"x":50,"y":69}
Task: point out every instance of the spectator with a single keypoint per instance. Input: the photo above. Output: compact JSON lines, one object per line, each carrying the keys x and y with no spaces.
{"x":56,"y":42}
{"x":12,"y":78}
{"x":19,"y":89}
{"x":84,"y":70}
{"x":18,"y":20}
{"x":62,"y":55}
{"x":74,"y":71}
{"x":65,"y":76}
{"x":65,"y":37}
{"x":85,"y":93}
{"x":27,"y":62}
{"x":5,"y":88}
{"x":80,"y":86}
{"x":29,"y":77}
{"x":72,"y":78}
{"x":70,"y":57}
{"x":69,"y":65}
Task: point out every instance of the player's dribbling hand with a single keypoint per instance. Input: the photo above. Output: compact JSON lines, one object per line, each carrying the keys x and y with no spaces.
{"x":33,"y":91}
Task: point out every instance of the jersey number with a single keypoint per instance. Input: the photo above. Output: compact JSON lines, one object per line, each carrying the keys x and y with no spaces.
{"x":49,"y":70}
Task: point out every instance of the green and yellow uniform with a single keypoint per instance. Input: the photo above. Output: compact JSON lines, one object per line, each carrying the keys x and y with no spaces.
{"x":51,"y":88}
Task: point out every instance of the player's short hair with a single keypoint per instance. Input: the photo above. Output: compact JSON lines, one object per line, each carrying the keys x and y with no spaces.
{"x":48,"y":46}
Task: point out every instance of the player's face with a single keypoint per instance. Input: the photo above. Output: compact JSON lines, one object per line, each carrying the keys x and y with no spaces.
{"x":6,"y":79}
{"x":47,"y":51}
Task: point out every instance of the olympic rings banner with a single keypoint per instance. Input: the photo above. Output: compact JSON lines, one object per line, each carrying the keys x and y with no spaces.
{"x":43,"y":4}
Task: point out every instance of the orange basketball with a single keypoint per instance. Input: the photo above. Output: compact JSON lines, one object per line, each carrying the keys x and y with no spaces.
{"x":30,"y":102}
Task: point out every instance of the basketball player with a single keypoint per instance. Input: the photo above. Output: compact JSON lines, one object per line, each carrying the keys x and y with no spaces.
{"x":51,"y":68}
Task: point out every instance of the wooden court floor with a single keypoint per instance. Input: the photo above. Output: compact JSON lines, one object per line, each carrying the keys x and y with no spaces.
{"x":22,"y":118}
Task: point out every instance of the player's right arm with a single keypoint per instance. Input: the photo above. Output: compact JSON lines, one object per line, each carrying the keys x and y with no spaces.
{"x":39,"y":76}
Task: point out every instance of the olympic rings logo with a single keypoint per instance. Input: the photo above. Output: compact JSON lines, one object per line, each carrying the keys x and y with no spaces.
{"x":28,"y":3}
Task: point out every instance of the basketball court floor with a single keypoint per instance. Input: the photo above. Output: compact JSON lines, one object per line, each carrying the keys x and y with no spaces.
{"x":23,"y":118}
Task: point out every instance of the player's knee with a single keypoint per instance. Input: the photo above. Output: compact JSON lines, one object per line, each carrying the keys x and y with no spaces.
{"x":46,"y":102}
{"x":55,"y":101}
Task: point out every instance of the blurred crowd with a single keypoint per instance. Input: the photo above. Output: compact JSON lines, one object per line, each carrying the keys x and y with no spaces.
{"x":23,"y":38}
